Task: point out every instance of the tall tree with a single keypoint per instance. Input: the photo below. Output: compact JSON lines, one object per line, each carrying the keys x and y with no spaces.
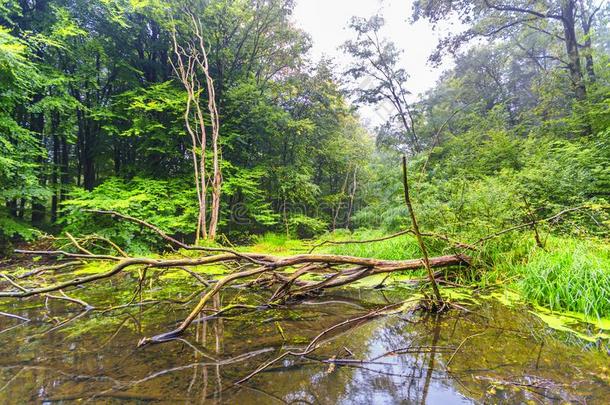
{"x":376,"y":61}
{"x":497,"y":19}
{"x":192,"y":67}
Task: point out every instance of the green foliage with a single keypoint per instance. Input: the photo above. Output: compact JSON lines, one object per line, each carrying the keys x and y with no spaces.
{"x":168,"y":204}
{"x":304,"y":226}
{"x":19,"y":148}
{"x":250,"y":207}
{"x":571,"y":275}
{"x":276,"y":243}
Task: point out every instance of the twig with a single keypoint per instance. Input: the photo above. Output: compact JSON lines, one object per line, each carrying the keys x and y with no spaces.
{"x":528,"y":224}
{"x":174,"y":241}
{"x":64,"y":297}
{"x":42,"y":269}
{"x":460,"y":346}
{"x":313,"y":344}
{"x":21,"y":318}
{"x":445,"y":238}
{"x":77,"y":245}
{"x":13,"y":283}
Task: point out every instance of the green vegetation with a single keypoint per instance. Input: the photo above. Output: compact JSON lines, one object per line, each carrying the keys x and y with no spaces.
{"x":517,"y":130}
{"x":572,"y":276}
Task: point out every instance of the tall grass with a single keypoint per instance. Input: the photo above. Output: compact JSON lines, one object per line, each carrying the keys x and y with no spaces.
{"x":400,"y":248}
{"x":571,"y":275}
{"x":276,"y":243}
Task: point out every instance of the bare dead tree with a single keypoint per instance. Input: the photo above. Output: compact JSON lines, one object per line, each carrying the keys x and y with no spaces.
{"x":190,"y":63}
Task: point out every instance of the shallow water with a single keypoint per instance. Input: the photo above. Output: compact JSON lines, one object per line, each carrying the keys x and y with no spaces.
{"x":491,"y":354}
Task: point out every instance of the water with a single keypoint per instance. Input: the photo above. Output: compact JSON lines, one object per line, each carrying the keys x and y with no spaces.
{"x":492,"y":354}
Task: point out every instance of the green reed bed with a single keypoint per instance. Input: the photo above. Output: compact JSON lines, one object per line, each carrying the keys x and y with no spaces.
{"x":569,"y":275}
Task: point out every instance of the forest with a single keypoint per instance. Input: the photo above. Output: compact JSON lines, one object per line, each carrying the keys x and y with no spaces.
{"x":194,"y":209}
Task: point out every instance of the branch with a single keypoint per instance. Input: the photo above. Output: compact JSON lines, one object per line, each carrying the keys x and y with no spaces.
{"x":163,"y":235}
{"x":420,"y":240}
{"x":522,"y":10}
{"x":445,"y":238}
{"x":528,"y":224}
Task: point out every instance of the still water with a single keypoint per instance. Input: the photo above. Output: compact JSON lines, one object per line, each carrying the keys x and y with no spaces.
{"x":488,"y":354}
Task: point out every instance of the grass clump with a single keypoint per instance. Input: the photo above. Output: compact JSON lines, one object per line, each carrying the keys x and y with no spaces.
{"x":570,"y":276}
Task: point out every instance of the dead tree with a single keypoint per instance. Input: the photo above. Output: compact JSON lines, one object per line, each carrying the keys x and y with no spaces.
{"x":285,"y":276}
{"x":418,"y":235}
{"x":190,"y":63}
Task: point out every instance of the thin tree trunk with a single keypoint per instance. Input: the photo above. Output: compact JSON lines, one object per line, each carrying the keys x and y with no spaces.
{"x":351,"y":198}
{"x":192,"y":59}
{"x":215,"y":123}
{"x":420,"y":240}
{"x":38,"y":205}
{"x":343,"y":189}
{"x":55,"y":170}
{"x":65,"y":167}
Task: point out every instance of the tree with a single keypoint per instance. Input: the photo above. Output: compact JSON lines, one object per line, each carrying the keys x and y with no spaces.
{"x":496,"y":19}
{"x":377,"y":60}
{"x":191,"y":64}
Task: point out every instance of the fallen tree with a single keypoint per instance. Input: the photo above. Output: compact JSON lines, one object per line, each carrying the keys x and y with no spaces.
{"x":287,"y":278}
{"x":283,"y":274}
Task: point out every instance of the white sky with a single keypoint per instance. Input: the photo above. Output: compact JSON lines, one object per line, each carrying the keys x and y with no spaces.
{"x":327,"y":23}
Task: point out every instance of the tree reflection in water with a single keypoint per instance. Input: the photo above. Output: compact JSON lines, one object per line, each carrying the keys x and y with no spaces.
{"x":491,"y":354}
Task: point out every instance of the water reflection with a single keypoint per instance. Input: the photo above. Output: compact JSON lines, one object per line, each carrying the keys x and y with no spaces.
{"x":492,"y":355}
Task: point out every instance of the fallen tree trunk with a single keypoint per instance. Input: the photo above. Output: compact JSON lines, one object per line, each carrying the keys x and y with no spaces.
{"x":332,"y":270}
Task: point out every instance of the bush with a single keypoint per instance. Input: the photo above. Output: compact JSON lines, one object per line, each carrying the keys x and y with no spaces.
{"x":306,"y":227}
{"x":169,"y":204}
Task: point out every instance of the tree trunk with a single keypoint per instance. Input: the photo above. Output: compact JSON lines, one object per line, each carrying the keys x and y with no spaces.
{"x":54,"y":173}
{"x":88,"y":157}
{"x":574,"y":66}
{"x":586,"y":20}
{"x":38,"y":207}
{"x":65,"y":168}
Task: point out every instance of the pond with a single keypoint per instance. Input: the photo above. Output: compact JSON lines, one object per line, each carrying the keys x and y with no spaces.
{"x":489,"y":353}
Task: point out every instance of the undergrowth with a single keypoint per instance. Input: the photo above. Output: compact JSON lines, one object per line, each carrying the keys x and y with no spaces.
{"x":569,"y":275}
{"x":400,"y":248}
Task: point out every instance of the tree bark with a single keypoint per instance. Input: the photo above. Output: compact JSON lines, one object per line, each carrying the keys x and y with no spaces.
{"x":568,"y":11}
{"x":586,"y":20}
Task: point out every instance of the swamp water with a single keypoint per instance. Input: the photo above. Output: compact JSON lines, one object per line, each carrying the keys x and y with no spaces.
{"x":489,"y":354}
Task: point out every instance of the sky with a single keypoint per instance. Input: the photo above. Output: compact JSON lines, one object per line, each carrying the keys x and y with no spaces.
{"x":326,"y":21}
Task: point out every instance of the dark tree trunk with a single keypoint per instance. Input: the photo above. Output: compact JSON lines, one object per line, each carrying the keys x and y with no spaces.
{"x":586,"y":20}
{"x":21,"y":213}
{"x":11,"y":205}
{"x":568,"y":10}
{"x":55,"y":187}
{"x":38,"y":206}
{"x":65,"y":168}
{"x":88,"y":163}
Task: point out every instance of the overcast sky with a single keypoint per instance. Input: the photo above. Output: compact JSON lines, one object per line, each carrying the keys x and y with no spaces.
{"x":327,"y":20}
